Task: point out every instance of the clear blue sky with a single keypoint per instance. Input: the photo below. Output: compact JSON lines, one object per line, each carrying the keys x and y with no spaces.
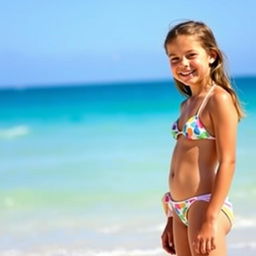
{"x":54,"y":42}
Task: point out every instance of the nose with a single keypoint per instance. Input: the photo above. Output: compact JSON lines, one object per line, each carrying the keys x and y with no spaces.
{"x":185,"y":62}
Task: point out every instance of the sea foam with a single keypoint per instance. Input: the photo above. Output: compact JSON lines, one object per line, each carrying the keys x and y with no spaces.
{"x":13,"y":132}
{"x":65,"y":252}
{"x":243,"y":222}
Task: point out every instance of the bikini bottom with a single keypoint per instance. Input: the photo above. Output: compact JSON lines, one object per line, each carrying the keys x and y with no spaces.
{"x":181,"y":207}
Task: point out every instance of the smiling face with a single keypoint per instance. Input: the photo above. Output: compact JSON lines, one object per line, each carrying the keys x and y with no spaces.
{"x":189,"y":61}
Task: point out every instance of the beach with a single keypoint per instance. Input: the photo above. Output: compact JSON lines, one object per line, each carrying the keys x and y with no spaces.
{"x":84,"y":168}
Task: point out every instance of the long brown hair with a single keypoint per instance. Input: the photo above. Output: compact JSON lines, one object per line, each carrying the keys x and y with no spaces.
{"x":218,"y":73}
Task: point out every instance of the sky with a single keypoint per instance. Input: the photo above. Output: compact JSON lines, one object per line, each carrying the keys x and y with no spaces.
{"x":54,"y":42}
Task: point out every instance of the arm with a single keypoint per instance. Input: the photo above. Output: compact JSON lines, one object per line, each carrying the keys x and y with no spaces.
{"x":167,"y":235}
{"x":225,"y":119}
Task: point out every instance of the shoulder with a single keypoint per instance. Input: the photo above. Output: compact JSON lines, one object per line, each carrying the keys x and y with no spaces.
{"x":221,"y":103}
{"x":220,"y":98}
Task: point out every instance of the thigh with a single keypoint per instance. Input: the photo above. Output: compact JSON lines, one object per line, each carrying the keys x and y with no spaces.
{"x":196,"y":216}
{"x":180,"y":232}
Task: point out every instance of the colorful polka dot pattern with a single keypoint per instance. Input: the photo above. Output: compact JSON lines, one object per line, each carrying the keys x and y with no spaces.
{"x":181,"y":208}
{"x":193,"y":130}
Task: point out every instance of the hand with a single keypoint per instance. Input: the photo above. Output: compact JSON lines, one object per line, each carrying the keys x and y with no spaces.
{"x":167,"y":237}
{"x":205,"y":240}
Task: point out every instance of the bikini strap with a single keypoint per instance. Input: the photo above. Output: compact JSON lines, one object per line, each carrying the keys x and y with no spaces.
{"x":204,"y":100}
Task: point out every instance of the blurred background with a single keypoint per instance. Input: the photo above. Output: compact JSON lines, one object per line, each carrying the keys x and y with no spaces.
{"x":86,"y":106}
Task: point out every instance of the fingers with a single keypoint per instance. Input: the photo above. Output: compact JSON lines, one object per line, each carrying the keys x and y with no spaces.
{"x":197,"y":245}
{"x":171,"y":243}
{"x":167,"y":244}
{"x":204,"y":246}
{"x":213,"y":244}
{"x":208,"y":246}
{"x":169,"y":248}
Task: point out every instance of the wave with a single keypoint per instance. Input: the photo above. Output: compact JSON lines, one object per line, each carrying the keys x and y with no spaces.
{"x":235,"y":247}
{"x":13,"y":132}
{"x":239,"y":223}
{"x":243,"y":245}
{"x":151,"y":229}
{"x":110,"y":230}
{"x":114,"y":229}
{"x":65,"y":252}
{"x":242,"y":222}
{"x":125,"y":252}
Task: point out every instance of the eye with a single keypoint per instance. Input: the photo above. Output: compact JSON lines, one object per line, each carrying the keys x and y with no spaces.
{"x":191,"y":55}
{"x":174,"y":60}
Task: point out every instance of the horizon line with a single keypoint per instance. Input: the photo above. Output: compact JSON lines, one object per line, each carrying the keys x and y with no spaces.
{"x":101,"y":83}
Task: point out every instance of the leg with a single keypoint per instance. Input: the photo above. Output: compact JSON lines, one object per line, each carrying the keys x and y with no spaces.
{"x":180,"y":232}
{"x":195,"y":218}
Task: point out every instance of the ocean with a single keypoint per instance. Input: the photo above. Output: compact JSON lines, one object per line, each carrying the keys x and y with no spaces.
{"x":83,"y":169}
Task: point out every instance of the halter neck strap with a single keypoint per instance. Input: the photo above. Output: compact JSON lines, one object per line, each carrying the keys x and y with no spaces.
{"x":204,"y":100}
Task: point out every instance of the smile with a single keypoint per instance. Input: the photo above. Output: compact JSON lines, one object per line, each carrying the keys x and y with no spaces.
{"x":187,"y":73}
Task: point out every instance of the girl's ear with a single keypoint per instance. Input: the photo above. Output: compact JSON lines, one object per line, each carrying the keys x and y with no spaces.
{"x":211,"y":60}
{"x":212,"y":56}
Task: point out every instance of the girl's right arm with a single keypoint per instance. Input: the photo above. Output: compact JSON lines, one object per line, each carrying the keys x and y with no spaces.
{"x":167,"y":236}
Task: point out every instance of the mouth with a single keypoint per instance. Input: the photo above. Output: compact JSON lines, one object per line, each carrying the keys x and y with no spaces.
{"x":187,"y":73}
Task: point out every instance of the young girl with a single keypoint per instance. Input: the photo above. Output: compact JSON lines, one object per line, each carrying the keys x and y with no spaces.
{"x":203,"y":161}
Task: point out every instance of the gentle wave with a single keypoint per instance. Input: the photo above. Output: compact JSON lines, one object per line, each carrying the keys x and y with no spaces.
{"x":242,"y":222}
{"x":110,"y":229}
{"x":120,"y":229}
{"x":124,"y":252}
{"x":239,"y":223}
{"x":243,"y":245}
{"x":116,"y":252}
{"x":13,"y":132}
{"x":64,"y":252}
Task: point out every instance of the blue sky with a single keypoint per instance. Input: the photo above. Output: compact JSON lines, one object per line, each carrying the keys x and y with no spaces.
{"x":61,"y":42}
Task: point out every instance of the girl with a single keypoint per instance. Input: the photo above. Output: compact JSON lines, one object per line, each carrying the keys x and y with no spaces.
{"x":203,"y":161}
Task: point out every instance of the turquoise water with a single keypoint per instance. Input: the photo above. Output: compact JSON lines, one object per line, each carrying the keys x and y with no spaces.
{"x":83,"y":168}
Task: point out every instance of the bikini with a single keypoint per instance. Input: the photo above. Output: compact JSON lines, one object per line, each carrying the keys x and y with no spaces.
{"x":181,"y":208}
{"x":193,"y":129}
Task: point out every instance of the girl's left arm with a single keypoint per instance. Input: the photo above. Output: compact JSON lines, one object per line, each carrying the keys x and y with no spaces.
{"x":225,"y":120}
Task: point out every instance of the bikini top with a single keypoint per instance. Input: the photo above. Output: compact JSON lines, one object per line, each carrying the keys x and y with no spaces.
{"x":193,"y":129}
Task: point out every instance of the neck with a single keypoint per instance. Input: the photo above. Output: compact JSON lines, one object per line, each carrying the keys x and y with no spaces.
{"x":198,"y":90}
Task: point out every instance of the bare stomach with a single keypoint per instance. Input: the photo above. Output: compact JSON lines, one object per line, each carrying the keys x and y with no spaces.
{"x":193,"y":167}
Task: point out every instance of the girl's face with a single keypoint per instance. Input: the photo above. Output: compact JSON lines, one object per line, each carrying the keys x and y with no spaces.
{"x":190,"y":63}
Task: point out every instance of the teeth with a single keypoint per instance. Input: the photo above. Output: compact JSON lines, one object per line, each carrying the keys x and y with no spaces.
{"x":186,"y":73}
